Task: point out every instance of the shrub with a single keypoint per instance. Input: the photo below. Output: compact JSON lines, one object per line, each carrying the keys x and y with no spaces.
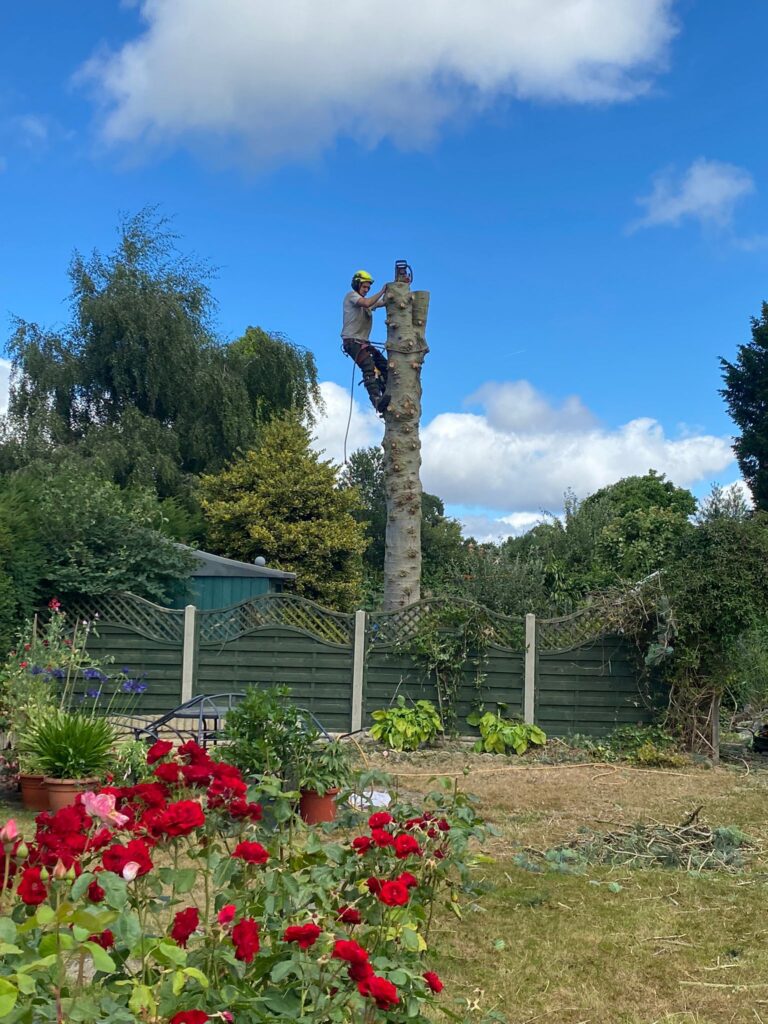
{"x":171,"y":901}
{"x":499,"y":735}
{"x":406,"y":728}
{"x":267,"y":735}
{"x":69,"y":744}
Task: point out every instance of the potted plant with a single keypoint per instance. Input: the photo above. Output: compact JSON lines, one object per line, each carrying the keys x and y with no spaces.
{"x":72,"y":749}
{"x":323,"y":773}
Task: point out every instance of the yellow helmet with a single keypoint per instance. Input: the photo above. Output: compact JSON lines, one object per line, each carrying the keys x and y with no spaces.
{"x":361,"y":277}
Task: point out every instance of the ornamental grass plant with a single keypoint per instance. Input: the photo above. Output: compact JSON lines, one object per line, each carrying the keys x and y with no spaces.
{"x":172,"y":901}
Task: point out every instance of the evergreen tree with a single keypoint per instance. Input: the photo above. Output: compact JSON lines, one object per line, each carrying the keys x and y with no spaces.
{"x":746,"y":395}
{"x":281,"y":500}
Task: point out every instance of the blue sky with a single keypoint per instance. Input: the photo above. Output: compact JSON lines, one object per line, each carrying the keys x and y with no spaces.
{"x":581,"y":186}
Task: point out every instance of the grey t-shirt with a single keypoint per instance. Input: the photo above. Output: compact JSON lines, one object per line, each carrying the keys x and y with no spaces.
{"x":357,"y":320}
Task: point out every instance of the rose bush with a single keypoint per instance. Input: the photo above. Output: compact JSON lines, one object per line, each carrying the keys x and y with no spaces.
{"x":175,"y":901}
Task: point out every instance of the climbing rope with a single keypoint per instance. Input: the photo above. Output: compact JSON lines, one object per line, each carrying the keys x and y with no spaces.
{"x":351,"y":404}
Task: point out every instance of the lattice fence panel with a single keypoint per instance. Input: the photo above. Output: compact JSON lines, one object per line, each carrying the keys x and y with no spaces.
{"x":150,"y":620}
{"x":563,"y":634}
{"x":223,"y":624}
{"x":387,"y":628}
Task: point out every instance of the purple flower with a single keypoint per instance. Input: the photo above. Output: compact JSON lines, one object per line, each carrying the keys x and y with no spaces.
{"x":133,"y":686}
{"x":94,"y":673}
{"x":57,"y":673}
{"x":35,"y":670}
{"x":93,"y":694}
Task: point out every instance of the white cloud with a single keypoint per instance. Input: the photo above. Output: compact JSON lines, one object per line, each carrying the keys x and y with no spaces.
{"x":489,"y":529}
{"x":287,"y":78}
{"x":521,"y":463}
{"x":707,"y":191}
{"x":5,"y":377}
{"x":32,"y":130}
{"x":365,"y":427}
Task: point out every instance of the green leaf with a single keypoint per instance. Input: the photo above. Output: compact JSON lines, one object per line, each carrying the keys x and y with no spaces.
{"x":410,"y":939}
{"x":127,"y":928}
{"x":44,"y":915}
{"x":398,"y":978}
{"x":8,"y":949}
{"x":115,"y":889}
{"x":178,"y":982}
{"x":196,"y":975}
{"x":142,"y":999}
{"x":80,"y":885}
{"x":26,"y":984}
{"x":102,"y":961}
{"x":8,"y":996}
{"x":7,"y":929}
{"x":282,"y":970}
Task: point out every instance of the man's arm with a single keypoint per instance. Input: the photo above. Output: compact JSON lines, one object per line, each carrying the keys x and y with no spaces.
{"x":371,"y":300}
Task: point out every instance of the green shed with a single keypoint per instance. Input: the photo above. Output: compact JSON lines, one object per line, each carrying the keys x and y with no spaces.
{"x":219,"y":582}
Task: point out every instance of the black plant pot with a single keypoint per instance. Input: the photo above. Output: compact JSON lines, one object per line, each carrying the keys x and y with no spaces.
{"x":760,"y":744}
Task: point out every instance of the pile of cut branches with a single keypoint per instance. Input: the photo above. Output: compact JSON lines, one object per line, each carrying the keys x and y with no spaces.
{"x":690,"y":846}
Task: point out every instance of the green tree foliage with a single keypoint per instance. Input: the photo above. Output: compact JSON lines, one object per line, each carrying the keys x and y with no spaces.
{"x":281,"y":500}
{"x":137,"y":382}
{"x":746,"y":395}
{"x":441,"y":541}
{"x":101,"y":538}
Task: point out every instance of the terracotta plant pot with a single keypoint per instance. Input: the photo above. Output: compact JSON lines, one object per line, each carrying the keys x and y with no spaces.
{"x":316,"y":808}
{"x":34,"y":794}
{"x":62,"y":792}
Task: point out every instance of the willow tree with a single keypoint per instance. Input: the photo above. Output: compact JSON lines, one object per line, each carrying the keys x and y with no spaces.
{"x":406,"y":349}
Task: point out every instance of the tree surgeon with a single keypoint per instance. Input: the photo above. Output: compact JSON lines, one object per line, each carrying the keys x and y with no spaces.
{"x":355,"y":336}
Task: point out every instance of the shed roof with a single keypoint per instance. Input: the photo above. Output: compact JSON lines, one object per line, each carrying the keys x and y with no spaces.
{"x":215,"y":565}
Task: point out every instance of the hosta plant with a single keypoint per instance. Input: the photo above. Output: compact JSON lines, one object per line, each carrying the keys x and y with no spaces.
{"x":500,"y":735}
{"x":172,"y":902}
{"x":406,"y":727}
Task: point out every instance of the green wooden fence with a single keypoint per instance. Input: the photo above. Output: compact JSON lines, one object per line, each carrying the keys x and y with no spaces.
{"x":565,"y":674}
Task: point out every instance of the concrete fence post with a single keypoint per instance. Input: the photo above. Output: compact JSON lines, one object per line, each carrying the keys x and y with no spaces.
{"x":188,"y":653}
{"x":358,"y":671}
{"x":529,"y":679}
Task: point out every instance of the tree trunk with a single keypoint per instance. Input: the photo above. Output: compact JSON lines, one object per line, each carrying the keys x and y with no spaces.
{"x":406,"y":348}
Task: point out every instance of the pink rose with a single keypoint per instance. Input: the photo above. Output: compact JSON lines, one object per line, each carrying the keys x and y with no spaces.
{"x":102,"y":806}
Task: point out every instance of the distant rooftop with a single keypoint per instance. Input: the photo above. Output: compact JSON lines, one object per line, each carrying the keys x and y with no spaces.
{"x":215,"y":565}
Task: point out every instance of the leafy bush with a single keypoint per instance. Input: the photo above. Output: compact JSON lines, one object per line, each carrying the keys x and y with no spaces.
{"x":267,"y":734}
{"x":499,"y":735}
{"x":648,"y":745}
{"x":405,"y":727}
{"x":178,"y":905}
{"x":325,"y":767}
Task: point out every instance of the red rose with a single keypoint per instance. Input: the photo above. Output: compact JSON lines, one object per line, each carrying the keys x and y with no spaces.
{"x":383,"y":992}
{"x":251,"y":853}
{"x":190,"y":1017}
{"x":240,"y":808}
{"x":95,"y":893}
{"x":158,"y":750}
{"x":116,"y":857}
{"x":350,"y":915}
{"x":433,"y":981}
{"x":181,"y":818}
{"x":394,"y":894}
{"x":380,"y":819}
{"x":32,"y":890}
{"x":443,"y":825}
{"x":347,"y":949}
{"x":361,"y":971}
{"x":184,"y":923}
{"x":227,"y":914}
{"x":153,"y":794}
{"x":104,"y":939}
{"x":196,"y":774}
{"x":193,"y":753}
{"x":406,"y":845}
{"x":168,"y":772}
{"x":305,"y":935}
{"x":362,"y":844}
{"x":408,"y":880}
{"x":382,"y":838}
{"x":374,"y":886}
{"x":245,"y":936}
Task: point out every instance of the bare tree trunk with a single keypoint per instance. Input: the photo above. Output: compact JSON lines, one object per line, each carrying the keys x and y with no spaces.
{"x":406,"y":349}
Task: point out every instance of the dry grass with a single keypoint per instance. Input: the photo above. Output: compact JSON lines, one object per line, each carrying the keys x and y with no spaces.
{"x":555,"y":948}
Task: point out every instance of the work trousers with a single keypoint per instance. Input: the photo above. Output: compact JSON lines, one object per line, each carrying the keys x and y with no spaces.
{"x":373,"y":364}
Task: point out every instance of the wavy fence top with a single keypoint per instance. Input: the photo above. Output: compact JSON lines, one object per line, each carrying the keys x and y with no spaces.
{"x":384,"y":629}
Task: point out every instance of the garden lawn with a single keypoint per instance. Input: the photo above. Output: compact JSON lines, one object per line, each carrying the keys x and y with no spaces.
{"x":657,"y":945}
